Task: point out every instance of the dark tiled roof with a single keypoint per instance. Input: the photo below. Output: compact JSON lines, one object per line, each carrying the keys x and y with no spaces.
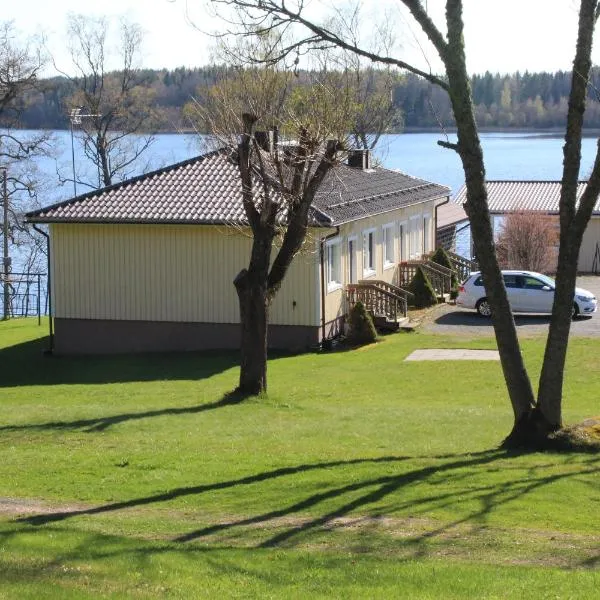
{"x":508,"y":196}
{"x":348,"y":193}
{"x":207,"y":190}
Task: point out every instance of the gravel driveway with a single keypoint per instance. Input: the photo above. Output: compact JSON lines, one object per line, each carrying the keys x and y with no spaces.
{"x":448,"y":319}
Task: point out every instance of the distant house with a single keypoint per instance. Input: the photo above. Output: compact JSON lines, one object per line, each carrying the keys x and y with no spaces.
{"x":542,"y":197}
{"x":451,"y":219}
{"x":148,"y":264}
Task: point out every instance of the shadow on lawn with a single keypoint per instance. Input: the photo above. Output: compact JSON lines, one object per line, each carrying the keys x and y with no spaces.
{"x":26,"y":364}
{"x":296,"y":522}
{"x":102,"y":423}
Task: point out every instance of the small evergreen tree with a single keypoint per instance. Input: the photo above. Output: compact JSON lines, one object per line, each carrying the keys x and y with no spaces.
{"x":423,"y":292}
{"x":440,"y":256}
{"x":362,"y":331}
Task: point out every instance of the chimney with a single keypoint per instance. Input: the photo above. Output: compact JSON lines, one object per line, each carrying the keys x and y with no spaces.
{"x":359,"y":159}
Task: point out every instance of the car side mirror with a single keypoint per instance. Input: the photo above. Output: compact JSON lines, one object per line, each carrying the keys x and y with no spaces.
{"x":547,"y":288}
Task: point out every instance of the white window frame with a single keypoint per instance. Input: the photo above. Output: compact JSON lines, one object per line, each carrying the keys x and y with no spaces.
{"x":387,"y":230}
{"x":334,"y":280}
{"x":369,"y":267}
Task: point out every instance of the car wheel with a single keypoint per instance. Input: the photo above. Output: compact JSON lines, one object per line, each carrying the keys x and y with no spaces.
{"x":574,"y":311}
{"x":483,"y":307}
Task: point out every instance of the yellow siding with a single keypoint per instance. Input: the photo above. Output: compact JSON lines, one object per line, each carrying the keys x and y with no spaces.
{"x":335,"y":300}
{"x":166,"y":273}
{"x":591,"y":239}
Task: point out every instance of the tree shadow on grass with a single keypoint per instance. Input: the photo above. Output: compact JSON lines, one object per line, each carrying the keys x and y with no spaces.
{"x":96,"y":424}
{"x":307,"y":519}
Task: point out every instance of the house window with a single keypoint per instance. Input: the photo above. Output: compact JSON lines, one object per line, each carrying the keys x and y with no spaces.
{"x":334,"y":264}
{"x":427,"y":234}
{"x":369,"y":253}
{"x":415,"y":249}
{"x":402,"y":240}
{"x":389,"y":243}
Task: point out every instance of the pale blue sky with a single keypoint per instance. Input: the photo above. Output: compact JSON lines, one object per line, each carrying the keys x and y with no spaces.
{"x":502,"y":36}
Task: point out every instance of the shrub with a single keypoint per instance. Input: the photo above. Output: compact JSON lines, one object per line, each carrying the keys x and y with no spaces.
{"x":423,"y":292}
{"x":361,"y":328}
{"x":528,"y":240}
{"x":440,"y":256}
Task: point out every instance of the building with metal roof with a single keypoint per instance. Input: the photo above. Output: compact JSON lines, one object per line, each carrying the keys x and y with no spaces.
{"x":542,"y":197}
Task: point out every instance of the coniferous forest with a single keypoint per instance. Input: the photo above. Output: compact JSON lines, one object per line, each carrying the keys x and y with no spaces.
{"x":517,"y":101}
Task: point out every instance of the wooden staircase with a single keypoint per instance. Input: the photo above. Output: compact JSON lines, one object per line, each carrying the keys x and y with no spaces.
{"x":440,"y":276}
{"x":387,"y":303}
{"x":461,"y":265}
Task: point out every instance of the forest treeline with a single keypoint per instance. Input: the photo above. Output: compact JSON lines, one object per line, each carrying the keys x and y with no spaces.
{"x":520,"y":101}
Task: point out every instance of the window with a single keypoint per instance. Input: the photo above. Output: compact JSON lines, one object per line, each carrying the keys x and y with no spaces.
{"x":414,"y":241}
{"x":532,"y":283}
{"x":369,"y":253}
{"x":402,"y":241}
{"x":427,"y":234}
{"x":513,"y":281}
{"x":389,"y":242}
{"x":334,"y":264}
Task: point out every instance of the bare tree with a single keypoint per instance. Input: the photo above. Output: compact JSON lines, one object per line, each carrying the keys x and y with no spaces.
{"x":112,"y":107}
{"x":368,"y":95}
{"x":528,"y":240}
{"x":534,"y":419}
{"x":20,"y":64}
{"x":280,"y":172}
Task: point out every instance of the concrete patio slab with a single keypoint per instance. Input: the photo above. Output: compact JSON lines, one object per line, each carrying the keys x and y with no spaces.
{"x":454,"y":354}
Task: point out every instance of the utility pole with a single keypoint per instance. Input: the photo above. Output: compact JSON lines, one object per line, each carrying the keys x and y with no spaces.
{"x":5,"y":257}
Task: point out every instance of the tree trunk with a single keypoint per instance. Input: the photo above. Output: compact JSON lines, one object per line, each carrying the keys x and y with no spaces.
{"x":573,"y":221}
{"x":254,"y":308}
{"x":551,"y":377}
{"x":471,"y":154}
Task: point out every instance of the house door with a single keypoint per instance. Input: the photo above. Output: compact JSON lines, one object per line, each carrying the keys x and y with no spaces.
{"x":352,"y":260}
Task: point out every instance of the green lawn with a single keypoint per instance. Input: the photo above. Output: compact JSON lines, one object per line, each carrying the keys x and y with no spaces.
{"x":359,"y":476}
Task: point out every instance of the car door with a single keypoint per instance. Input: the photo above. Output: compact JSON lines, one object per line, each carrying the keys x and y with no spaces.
{"x":514,"y":291}
{"x":538,"y":296}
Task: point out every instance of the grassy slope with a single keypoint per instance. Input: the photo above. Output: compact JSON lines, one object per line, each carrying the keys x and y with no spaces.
{"x":358,"y":476}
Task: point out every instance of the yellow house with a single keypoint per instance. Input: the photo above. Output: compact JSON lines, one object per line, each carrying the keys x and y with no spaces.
{"x":148,"y":264}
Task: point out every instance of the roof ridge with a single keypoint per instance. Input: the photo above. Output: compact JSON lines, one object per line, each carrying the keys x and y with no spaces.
{"x":126,"y":182}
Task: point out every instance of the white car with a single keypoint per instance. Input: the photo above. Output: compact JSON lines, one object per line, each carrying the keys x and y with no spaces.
{"x":528,"y":292}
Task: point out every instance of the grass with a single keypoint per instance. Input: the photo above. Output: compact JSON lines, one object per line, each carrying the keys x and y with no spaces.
{"x":358,"y":476}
